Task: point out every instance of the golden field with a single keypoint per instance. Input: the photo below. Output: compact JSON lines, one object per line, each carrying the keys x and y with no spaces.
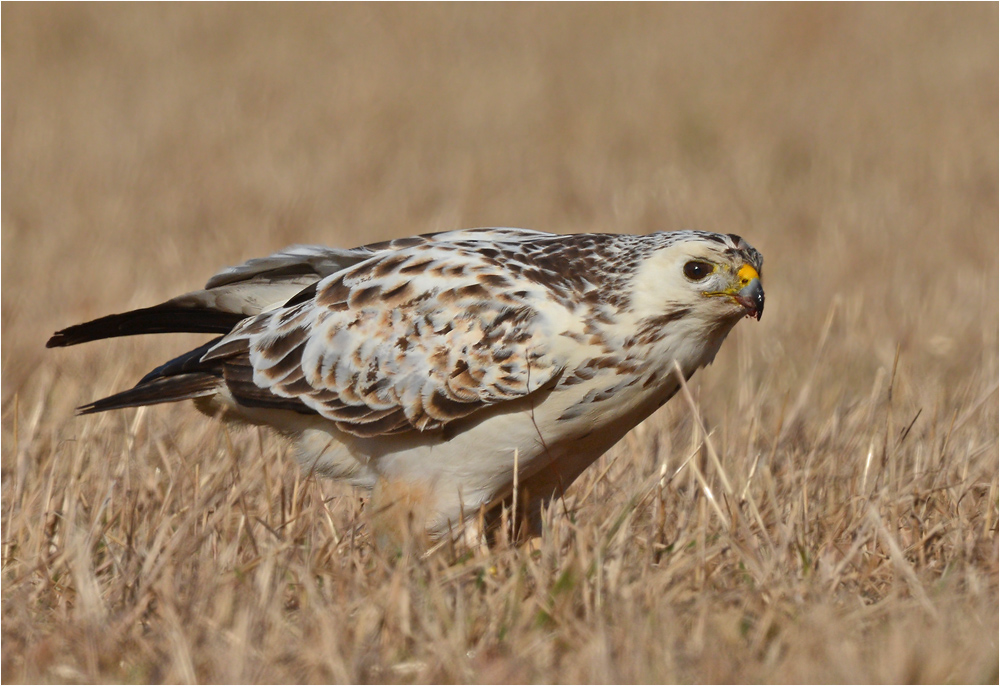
{"x":847,"y":531}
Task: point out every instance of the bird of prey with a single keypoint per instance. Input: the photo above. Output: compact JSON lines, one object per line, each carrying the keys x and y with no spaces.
{"x":427,"y":369}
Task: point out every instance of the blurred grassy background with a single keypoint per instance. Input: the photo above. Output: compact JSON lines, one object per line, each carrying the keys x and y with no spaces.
{"x":856,"y":146}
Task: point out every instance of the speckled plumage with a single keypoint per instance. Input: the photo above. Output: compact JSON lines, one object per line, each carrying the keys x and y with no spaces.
{"x":426,"y":362}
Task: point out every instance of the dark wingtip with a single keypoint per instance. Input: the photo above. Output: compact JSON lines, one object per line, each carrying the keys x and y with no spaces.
{"x":167,"y":389}
{"x":164,"y":318}
{"x":58,"y":340}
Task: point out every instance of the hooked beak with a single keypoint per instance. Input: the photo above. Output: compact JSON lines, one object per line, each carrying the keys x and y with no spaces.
{"x":751,"y":297}
{"x":746,"y":291}
{"x":751,"y":292}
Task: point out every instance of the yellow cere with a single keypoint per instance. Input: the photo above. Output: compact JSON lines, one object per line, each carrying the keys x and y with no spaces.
{"x":746,"y":274}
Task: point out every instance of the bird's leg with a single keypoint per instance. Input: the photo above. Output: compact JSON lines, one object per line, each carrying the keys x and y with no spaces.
{"x":399,"y":513}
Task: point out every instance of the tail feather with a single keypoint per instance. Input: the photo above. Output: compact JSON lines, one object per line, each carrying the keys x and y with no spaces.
{"x":230,"y":297}
{"x":167,"y":389}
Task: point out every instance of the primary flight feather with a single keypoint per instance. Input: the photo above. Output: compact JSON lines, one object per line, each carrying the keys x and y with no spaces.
{"x":426,"y":367}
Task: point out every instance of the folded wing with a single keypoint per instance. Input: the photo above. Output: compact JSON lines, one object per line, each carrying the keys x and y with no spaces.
{"x":404,"y":335}
{"x":411,"y":339}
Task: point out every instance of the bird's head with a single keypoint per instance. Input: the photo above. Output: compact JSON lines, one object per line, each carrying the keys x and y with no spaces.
{"x":711,"y":278}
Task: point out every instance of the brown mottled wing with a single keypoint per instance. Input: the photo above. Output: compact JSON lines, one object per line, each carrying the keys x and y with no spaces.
{"x":409,"y":339}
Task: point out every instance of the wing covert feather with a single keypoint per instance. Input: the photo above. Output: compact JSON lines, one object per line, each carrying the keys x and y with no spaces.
{"x":408,"y":339}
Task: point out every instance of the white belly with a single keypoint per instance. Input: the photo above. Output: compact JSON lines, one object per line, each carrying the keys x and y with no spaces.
{"x":471,"y":463}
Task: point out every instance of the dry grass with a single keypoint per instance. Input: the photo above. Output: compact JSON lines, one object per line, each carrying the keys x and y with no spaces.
{"x":848,"y":530}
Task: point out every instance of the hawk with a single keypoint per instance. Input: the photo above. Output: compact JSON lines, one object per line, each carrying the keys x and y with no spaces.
{"x":428,"y":369}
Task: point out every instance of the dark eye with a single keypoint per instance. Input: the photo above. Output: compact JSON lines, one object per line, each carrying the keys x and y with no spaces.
{"x":696,"y":271}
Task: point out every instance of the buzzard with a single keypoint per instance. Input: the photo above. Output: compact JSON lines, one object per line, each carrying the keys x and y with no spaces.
{"x":429,"y":369}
